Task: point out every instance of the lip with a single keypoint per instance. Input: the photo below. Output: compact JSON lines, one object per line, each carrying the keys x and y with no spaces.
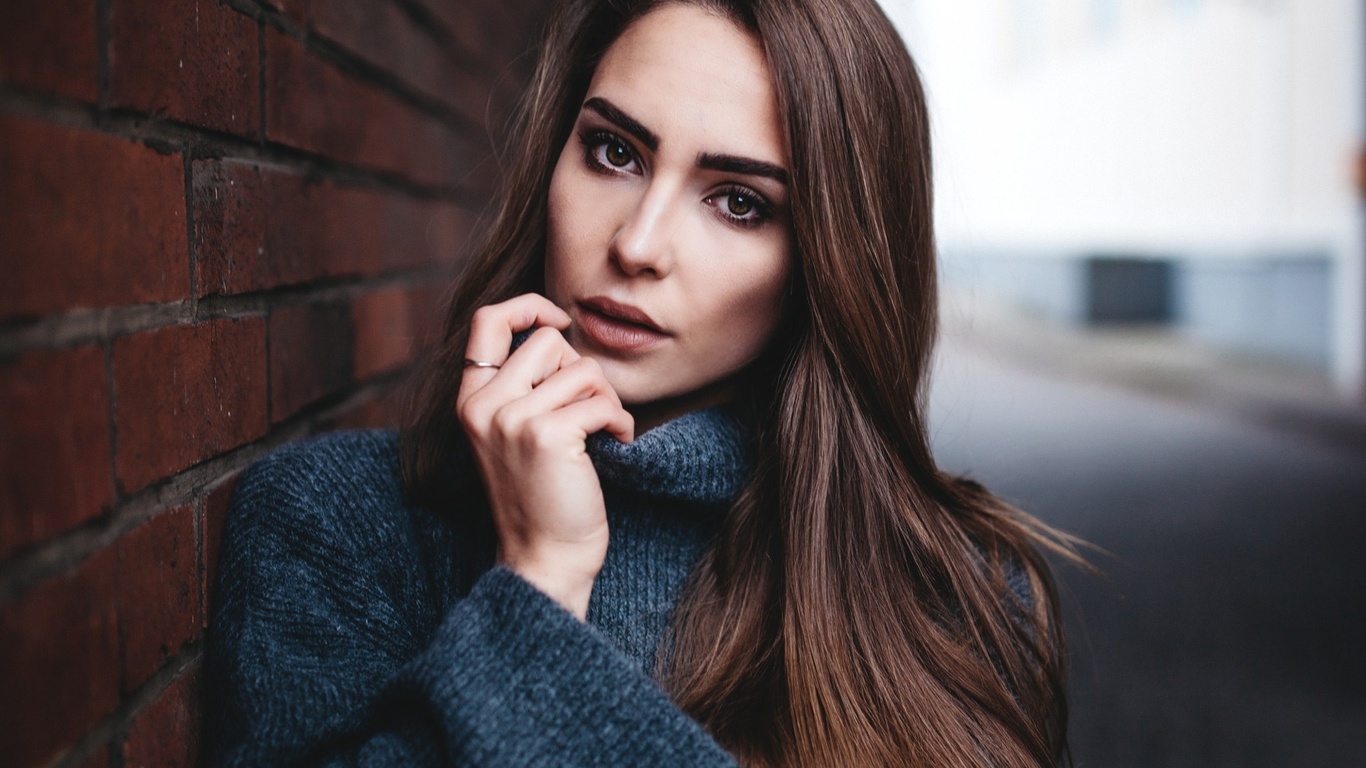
{"x":615,"y":310}
{"x":616,"y":327}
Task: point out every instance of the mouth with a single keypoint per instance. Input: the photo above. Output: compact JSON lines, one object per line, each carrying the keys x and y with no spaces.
{"x":614,"y":327}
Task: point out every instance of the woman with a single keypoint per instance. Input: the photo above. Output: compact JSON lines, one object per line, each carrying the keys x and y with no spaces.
{"x":675,"y":433}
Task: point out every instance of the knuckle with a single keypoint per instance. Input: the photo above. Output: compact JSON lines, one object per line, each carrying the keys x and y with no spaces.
{"x":470,"y":414}
{"x":484,"y":320}
{"x":540,"y":435}
{"x":473,"y":429}
{"x":547,"y":335}
{"x":596,"y":378}
{"x":504,"y":421}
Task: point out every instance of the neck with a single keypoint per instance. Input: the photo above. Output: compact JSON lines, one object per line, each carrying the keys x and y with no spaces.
{"x":652,"y":414}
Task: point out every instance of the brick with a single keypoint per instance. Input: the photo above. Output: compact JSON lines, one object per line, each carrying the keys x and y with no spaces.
{"x":312,"y":106}
{"x":391,"y":325}
{"x":385,"y":36}
{"x":295,"y":10}
{"x":185,"y":394}
{"x":421,"y":233}
{"x":479,"y":29}
{"x":55,"y":457}
{"x":60,"y":664}
{"x":260,"y":227}
{"x":90,"y":221}
{"x":384,"y":331}
{"x":197,"y":62}
{"x":310,"y":356}
{"x":427,"y":310}
{"x":216,"y":506}
{"x":166,"y":733}
{"x":51,"y":46}
{"x":158,"y":594}
{"x":382,"y":412}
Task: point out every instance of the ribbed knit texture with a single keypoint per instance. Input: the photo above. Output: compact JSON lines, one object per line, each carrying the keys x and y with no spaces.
{"x":352,"y":629}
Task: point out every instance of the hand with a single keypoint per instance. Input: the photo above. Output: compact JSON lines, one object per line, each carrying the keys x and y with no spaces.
{"x":527,"y":423}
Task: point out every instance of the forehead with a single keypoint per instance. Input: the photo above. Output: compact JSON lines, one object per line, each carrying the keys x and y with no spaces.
{"x":697,"y":80}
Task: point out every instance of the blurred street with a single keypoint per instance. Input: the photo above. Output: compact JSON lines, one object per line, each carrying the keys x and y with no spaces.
{"x":1228,"y":627}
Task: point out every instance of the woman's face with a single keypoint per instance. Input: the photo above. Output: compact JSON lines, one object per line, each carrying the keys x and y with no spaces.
{"x":668,"y":225}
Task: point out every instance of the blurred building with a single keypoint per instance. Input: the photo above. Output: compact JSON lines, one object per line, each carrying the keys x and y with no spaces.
{"x":1182,"y":162}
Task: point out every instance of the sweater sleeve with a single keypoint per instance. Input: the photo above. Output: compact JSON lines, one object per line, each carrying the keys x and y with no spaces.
{"x":326,"y":650}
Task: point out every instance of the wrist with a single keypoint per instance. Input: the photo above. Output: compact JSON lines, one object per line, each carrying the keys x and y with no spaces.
{"x":563,"y":578}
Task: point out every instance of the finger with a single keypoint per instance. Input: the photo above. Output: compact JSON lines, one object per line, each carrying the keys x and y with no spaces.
{"x":595,"y":414}
{"x":540,"y":357}
{"x":545,"y":352}
{"x":492,"y":327}
{"x":577,"y":381}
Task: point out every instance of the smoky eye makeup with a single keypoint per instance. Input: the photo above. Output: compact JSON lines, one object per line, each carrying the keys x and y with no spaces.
{"x":742,"y":206}
{"x":608,"y":153}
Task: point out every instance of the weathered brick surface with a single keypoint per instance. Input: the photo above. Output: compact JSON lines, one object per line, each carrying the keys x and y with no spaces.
{"x":384,"y":334}
{"x":385,"y":36}
{"x":60,"y":664}
{"x":158,"y":593}
{"x":196,"y":62}
{"x":386,"y":331}
{"x":166,"y":733}
{"x":51,"y":45}
{"x":295,"y":10}
{"x":187,"y":393}
{"x":55,"y":470}
{"x":375,"y":413}
{"x":313,"y":106}
{"x":90,"y":220}
{"x":476,"y":27}
{"x":150,"y":323}
{"x":260,"y":227}
{"x":418,"y":232}
{"x":310,"y":356}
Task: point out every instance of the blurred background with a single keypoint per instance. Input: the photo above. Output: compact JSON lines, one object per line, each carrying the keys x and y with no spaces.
{"x":1152,"y":260}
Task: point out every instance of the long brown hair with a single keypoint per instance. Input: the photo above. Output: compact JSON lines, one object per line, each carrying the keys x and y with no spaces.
{"x":858,"y":607}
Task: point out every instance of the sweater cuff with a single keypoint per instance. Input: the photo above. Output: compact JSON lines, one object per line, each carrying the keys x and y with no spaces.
{"x":518,"y":680}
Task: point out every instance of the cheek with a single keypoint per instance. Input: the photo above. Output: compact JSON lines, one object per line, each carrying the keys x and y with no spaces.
{"x":748,"y":307}
{"x":564,"y":228}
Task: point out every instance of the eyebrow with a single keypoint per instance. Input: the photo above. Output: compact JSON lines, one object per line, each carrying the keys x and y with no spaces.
{"x":727,"y":163}
{"x":610,"y":112}
{"x":742,"y":165}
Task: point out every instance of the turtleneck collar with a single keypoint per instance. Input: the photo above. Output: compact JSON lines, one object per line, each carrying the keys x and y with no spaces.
{"x":700,"y":457}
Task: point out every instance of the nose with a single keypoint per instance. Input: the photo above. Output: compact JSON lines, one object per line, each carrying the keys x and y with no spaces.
{"x":644,"y":245}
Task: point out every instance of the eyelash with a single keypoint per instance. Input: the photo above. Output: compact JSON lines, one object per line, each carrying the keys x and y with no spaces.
{"x":594,"y":141}
{"x":762,"y":209}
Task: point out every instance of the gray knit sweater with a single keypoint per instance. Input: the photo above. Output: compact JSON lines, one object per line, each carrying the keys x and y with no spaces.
{"x":350,"y":628}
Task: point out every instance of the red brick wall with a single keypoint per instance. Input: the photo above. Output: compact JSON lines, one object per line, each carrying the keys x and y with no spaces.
{"x":224,"y":225}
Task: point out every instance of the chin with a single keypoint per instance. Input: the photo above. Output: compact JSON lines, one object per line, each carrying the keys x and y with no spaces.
{"x":629,"y":385}
{"x":634,"y":386}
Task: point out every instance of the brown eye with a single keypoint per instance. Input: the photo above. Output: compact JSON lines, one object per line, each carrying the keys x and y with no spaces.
{"x":739,"y":205}
{"x":618,"y":155}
